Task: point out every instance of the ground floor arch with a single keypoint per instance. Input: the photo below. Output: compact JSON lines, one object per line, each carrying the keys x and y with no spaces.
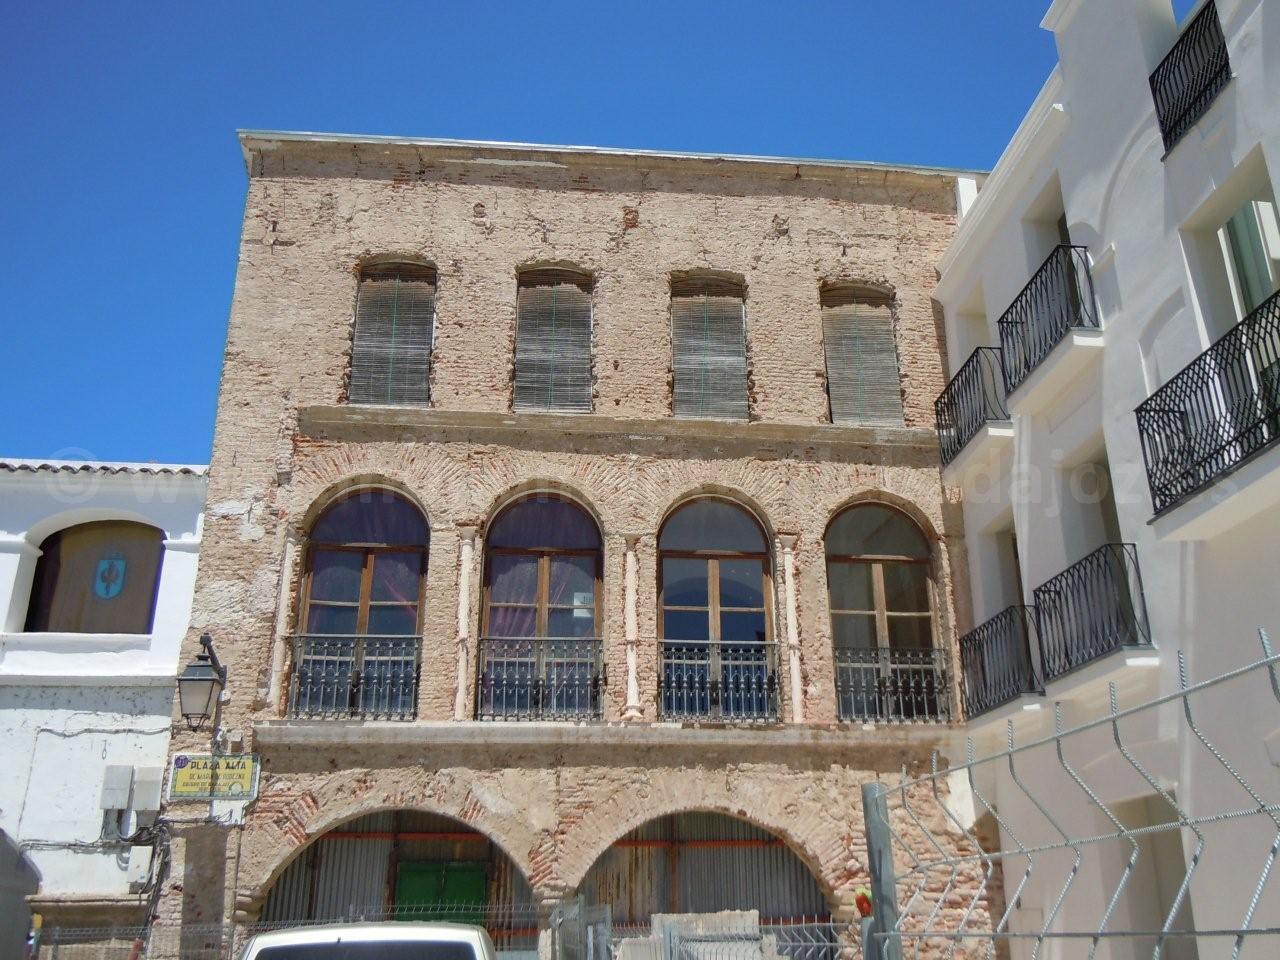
{"x":701,"y":862}
{"x":407,"y":865}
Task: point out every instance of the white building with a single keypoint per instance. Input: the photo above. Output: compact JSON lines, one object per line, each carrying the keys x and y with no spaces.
{"x":1113,"y":330}
{"x":97,"y":568}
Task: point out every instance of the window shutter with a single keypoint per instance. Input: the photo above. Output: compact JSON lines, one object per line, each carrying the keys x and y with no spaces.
{"x":395,"y":320}
{"x":862,"y":360}
{"x":553,"y":342}
{"x":709,"y":350}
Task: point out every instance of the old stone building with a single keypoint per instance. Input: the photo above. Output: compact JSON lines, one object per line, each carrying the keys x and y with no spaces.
{"x":574,"y":529}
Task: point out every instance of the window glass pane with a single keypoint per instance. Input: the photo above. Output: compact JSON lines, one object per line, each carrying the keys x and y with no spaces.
{"x":712,"y":525}
{"x":742,"y":627}
{"x":741,"y":583}
{"x":543,"y":522}
{"x":685,"y":625}
{"x":571,"y":622}
{"x":573,"y":581}
{"x":684,"y":582}
{"x":513,"y":579}
{"x":324,"y":619}
{"x":850,"y":586}
{"x":854,"y":629}
{"x":397,"y":576}
{"x":910,"y":633}
{"x":513,"y":621}
{"x":906,"y":587}
{"x":372,"y":516}
{"x":875,"y":530}
{"x":399,"y":620}
{"x":335,"y":575}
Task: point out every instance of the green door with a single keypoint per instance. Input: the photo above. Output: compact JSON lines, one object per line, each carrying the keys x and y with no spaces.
{"x":441,"y":891}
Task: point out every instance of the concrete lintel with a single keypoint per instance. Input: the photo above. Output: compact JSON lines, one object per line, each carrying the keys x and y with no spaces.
{"x":987,"y":446}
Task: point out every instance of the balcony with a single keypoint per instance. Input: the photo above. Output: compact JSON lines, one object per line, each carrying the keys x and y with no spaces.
{"x":892,"y":686}
{"x":345,"y":676}
{"x":1092,"y":609}
{"x":1191,"y":76}
{"x":1217,"y":414}
{"x":996,"y":660}
{"x":540,"y":678}
{"x":1050,"y":326}
{"x":724,"y":682}
{"x":973,"y":403}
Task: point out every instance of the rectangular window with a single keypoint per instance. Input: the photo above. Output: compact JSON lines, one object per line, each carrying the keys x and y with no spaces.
{"x":553,"y":342}
{"x":862,"y":359}
{"x":709,"y":349}
{"x":395,"y":326}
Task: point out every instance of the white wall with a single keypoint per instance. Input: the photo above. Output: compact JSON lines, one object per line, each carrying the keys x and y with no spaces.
{"x":1144,"y":218}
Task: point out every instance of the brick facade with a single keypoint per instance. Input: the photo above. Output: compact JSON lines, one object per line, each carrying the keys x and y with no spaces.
{"x":285,"y":444}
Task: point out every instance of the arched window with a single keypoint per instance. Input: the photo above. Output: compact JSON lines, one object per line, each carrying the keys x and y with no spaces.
{"x":540,"y":652}
{"x":709,"y":348}
{"x":395,"y":328}
{"x":882,"y":616}
{"x":361,"y":615}
{"x":716,"y":610}
{"x":97,"y":578}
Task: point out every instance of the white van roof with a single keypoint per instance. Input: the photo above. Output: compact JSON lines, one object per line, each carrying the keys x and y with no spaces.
{"x":397,"y":930}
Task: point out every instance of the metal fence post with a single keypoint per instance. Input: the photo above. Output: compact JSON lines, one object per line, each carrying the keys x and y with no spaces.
{"x":884,"y":894}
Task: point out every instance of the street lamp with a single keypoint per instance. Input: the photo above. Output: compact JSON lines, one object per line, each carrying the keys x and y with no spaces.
{"x":200,"y":684}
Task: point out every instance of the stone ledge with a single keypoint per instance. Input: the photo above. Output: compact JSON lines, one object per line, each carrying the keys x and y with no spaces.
{"x":371,"y":423}
{"x":360,"y":733}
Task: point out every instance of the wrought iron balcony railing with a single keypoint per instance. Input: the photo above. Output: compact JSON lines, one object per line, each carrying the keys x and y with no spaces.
{"x":1191,"y":76}
{"x":996,"y":659}
{"x":718,"y":681}
{"x":1057,"y":299}
{"x":974,"y":397}
{"x":1092,"y":608}
{"x":540,"y":678}
{"x":892,"y":686}
{"x":1220,"y":410}
{"x":366,"y":676}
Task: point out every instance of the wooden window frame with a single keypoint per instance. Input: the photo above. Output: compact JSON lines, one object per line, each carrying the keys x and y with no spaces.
{"x":882,"y":613}
{"x":541,"y":604}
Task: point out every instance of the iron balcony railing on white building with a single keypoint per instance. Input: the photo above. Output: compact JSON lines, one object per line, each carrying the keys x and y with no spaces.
{"x":1191,"y":76}
{"x":540,"y":678}
{"x":373,"y":677}
{"x":995,"y":658}
{"x":1094,"y":607}
{"x":1218,"y":412}
{"x":974,"y":397}
{"x":1057,"y":299}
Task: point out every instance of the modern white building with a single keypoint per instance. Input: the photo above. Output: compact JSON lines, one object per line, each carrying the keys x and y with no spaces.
{"x":97,"y":568}
{"x":1112,"y":428}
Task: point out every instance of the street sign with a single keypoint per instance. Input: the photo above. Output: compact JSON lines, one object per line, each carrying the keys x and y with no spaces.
{"x":222,"y":776}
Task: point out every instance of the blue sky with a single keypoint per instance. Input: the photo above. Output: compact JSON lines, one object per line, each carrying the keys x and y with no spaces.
{"x":126,"y":186}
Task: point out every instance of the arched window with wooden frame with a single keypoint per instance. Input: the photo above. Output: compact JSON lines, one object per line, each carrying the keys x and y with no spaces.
{"x":715,"y":614}
{"x":883,"y":617}
{"x":863,"y":382}
{"x":394,"y":333}
{"x":360,"y":620}
{"x":553,"y":341}
{"x":540,"y":648}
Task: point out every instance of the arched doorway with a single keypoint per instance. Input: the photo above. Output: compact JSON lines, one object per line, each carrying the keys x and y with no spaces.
{"x":406,"y":865}
{"x":700,"y":863}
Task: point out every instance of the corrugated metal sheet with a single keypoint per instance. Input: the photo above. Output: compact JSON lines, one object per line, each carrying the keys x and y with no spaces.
{"x":339,"y":877}
{"x":690,"y":876}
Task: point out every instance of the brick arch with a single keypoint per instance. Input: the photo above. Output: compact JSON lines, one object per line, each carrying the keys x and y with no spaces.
{"x":301,"y":821}
{"x":717,"y":491}
{"x":809,"y":838}
{"x":909,"y":508}
{"x":532,"y":487}
{"x":595,"y":485}
{"x":659,"y":488}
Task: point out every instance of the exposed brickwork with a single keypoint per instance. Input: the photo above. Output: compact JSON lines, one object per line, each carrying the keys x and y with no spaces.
{"x":283,"y":446}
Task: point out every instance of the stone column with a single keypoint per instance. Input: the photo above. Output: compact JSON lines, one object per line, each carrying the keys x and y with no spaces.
{"x":466,"y":561}
{"x":632,"y":710}
{"x":787,"y":541}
